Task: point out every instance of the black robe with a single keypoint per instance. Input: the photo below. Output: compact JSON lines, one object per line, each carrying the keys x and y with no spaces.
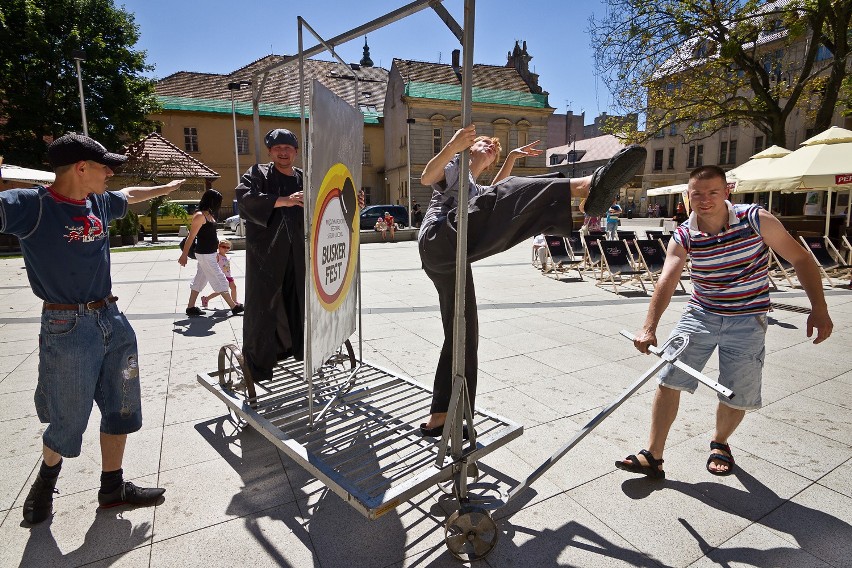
{"x":273,"y":326}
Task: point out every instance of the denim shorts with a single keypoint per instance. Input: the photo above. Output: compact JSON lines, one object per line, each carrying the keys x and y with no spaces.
{"x":742,"y":346}
{"x":84,"y":356}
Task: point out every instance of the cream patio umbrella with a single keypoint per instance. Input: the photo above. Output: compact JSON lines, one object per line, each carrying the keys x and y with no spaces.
{"x":666,"y":190}
{"x":823,"y":163}
{"x":757,"y":165}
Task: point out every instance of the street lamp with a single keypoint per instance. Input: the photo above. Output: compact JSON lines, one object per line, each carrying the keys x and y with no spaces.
{"x":236,"y":86}
{"x":80,"y":55}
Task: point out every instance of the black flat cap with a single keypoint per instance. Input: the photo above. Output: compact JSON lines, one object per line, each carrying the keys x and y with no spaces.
{"x":280,"y":136}
{"x":73,"y":148}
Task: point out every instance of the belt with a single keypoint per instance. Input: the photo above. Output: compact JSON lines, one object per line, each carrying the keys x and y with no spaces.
{"x":96,"y":305}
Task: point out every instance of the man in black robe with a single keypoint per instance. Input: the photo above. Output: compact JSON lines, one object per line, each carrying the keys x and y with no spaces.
{"x":271,"y":200}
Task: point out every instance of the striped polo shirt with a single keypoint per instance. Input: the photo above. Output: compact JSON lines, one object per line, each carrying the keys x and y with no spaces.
{"x":729,"y":269}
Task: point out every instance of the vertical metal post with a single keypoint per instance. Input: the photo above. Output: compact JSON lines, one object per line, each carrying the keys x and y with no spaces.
{"x":82,"y":100}
{"x":409,"y":122}
{"x":305,"y":185}
{"x":236,"y":143}
{"x":459,"y":323}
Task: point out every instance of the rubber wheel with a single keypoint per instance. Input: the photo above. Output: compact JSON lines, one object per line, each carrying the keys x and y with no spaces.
{"x":233,"y":373}
{"x":470,"y":534}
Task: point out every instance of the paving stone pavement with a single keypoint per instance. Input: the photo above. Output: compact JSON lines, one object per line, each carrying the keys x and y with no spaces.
{"x":551,"y":357}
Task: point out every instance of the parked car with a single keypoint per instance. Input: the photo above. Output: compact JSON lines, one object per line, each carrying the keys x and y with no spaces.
{"x":232,"y":223}
{"x":371,"y":213}
{"x":169,"y":223}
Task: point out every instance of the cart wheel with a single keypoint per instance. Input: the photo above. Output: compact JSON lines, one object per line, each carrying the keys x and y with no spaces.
{"x":345,"y":355}
{"x":449,"y":486}
{"x":471,"y":534}
{"x":233,"y":373}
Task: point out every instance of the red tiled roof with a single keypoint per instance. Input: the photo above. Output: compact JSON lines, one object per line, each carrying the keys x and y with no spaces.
{"x":282,"y":86}
{"x":484,"y":76}
{"x":154,"y":156}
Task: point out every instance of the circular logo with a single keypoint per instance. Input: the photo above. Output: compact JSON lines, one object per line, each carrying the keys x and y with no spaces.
{"x":335,"y":237}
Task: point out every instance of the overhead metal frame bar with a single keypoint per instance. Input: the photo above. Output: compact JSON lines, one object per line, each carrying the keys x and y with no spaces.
{"x":260,"y":76}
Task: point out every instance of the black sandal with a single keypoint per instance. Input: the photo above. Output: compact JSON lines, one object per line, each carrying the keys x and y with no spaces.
{"x":608,"y":179}
{"x":728,"y":459}
{"x":652,"y":470}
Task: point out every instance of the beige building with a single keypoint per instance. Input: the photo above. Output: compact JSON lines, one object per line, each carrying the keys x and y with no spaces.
{"x":423,"y":105}
{"x":672,"y":154}
{"x":197,"y":114}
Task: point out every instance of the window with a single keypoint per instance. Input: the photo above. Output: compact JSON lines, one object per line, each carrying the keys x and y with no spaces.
{"x":242,"y":141}
{"x":728,"y":152}
{"x":758,"y":144}
{"x":658,"y":160}
{"x":437,"y":140}
{"x":522,"y":141}
{"x":671,"y":158}
{"x":366,"y":159}
{"x":190,"y":139}
{"x":696,"y":156}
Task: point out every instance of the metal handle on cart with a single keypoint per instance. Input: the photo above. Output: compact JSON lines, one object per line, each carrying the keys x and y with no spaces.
{"x":660,"y":352}
{"x":677,"y":343}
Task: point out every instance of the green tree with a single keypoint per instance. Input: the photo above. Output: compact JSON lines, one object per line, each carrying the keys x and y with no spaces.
{"x":703,"y":64}
{"x":39,"y":97}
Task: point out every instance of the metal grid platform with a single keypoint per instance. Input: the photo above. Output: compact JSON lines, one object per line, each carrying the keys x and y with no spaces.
{"x":368,"y":448}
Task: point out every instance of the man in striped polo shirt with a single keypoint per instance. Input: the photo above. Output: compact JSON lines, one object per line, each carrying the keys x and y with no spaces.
{"x":728,"y":247}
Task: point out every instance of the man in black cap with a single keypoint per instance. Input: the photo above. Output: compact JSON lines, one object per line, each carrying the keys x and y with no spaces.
{"x":64,"y":240}
{"x":270,"y":199}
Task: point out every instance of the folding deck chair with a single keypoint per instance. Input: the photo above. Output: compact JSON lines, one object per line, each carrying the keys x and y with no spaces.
{"x":653,"y":257}
{"x":560,"y":258}
{"x":574,"y":242}
{"x":629,"y":238}
{"x":845,"y":240}
{"x":592,"y":254}
{"x":829,"y":265}
{"x":653,"y":234}
{"x":616,"y":264}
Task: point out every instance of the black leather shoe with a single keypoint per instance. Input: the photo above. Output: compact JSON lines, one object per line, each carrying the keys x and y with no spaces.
{"x":129,"y":494}
{"x":39,"y":502}
{"x":608,"y":179}
{"x":438,"y":431}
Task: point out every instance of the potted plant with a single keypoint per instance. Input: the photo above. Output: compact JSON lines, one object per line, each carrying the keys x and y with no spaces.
{"x":114,"y":237}
{"x":128,"y":228}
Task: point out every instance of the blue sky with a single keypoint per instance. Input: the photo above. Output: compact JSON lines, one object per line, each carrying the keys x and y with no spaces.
{"x":218,"y":36}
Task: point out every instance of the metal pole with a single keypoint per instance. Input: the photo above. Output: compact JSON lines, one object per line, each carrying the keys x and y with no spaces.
{"x":459,"y":323}
{"x":409,"y":122}
{"x":236,"y":143}
{"x":82,"y":100}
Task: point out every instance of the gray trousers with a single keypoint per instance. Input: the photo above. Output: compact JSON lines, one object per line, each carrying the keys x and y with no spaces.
{"x":504,"y":215}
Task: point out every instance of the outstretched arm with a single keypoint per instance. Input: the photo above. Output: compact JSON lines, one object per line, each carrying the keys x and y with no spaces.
{"x":776,"y":236}
{"x":663,"y":291}
{"x":434,"y":170}
{"x":140,"y":194}
{"x":511,"y":157}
